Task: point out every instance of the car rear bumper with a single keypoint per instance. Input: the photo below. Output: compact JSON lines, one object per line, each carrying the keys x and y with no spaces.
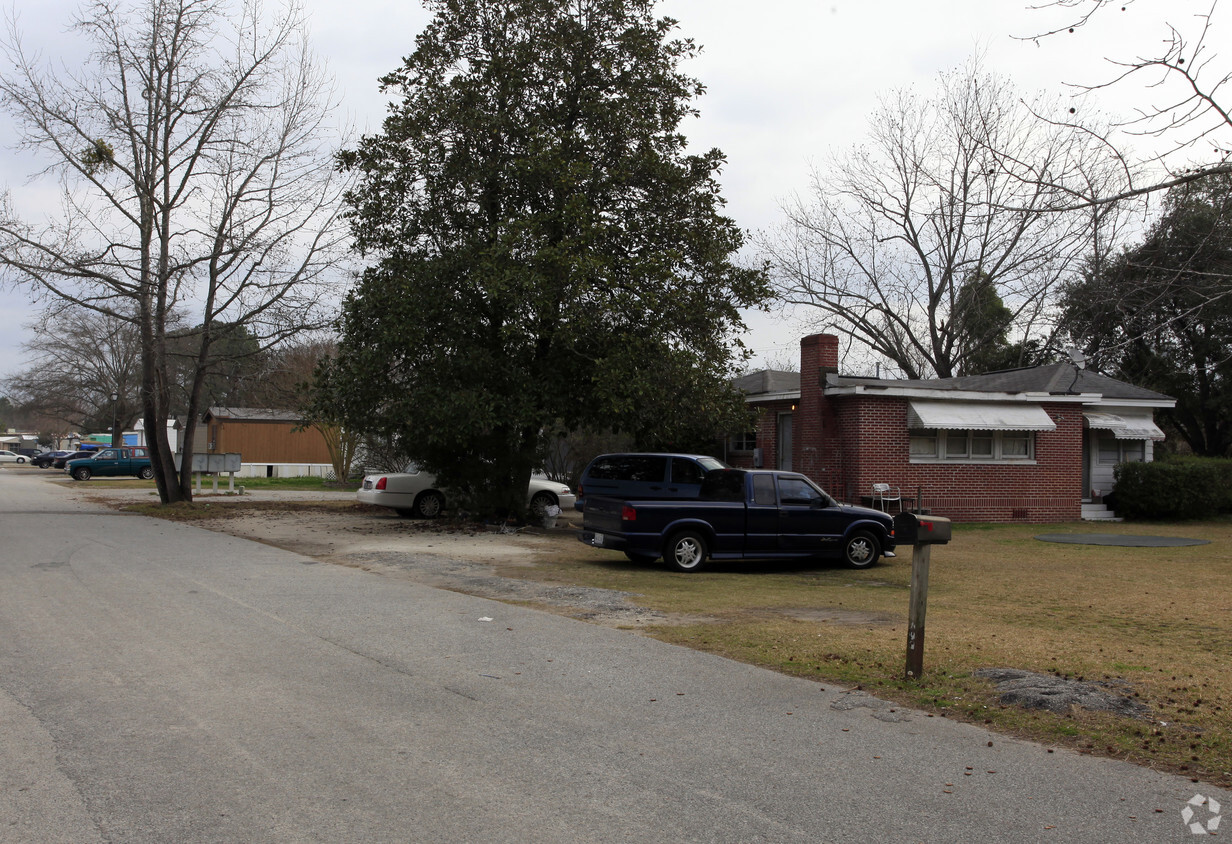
{"x":606,"y":541}
{"x":382,"y":498}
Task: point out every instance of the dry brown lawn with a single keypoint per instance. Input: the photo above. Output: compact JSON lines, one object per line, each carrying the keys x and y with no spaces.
{"x":1156,"y":622}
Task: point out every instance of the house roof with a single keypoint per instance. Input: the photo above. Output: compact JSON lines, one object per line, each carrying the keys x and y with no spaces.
{"x":768,"y":381}
{"x":1056,"y":380}
{"x":175,"y":423}
{"x":253,"y":414}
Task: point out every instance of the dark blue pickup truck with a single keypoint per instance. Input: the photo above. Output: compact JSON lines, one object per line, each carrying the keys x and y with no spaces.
{"x":741,"y":514}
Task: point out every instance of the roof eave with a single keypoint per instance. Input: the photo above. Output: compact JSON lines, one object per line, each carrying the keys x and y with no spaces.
{"x":786,"y":395}
{"x":1153,"y":403}
{"x":961,"y":395}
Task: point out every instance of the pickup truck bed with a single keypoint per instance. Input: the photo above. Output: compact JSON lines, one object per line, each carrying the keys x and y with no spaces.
{"x":741,"y":514}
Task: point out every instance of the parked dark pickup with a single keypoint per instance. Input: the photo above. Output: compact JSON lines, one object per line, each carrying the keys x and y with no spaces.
{"x":129,"y":460}
{"x":740,"y":514}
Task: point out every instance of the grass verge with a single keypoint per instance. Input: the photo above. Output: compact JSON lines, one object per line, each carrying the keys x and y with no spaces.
{"x":1158,"y":619}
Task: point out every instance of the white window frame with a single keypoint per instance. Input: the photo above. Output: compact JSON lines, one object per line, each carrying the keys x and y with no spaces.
{"x":956,"y":446}
{"x":746,"y":441}
{"x":922,"y":437}
{"x":1121,"y":447}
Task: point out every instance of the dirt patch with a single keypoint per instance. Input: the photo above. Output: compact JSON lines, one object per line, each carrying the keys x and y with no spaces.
{"x":1059,"y":694}
{"x":459,"y":556}
{"x":465,"y":567}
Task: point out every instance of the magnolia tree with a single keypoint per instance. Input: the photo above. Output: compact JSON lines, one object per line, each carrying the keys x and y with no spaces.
{"x":543,"y":252}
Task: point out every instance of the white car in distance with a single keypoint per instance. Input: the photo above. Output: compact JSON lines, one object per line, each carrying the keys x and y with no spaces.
{"x":414,"y":493}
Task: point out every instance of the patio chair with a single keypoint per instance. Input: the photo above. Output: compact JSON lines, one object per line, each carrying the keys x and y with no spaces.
{"x":884,"y":495}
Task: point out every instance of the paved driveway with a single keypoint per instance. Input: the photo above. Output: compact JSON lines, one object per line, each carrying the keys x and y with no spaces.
{"x":161,"y":683}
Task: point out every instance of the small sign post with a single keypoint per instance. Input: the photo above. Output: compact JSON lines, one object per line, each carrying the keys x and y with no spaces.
{"x":922,"y":533}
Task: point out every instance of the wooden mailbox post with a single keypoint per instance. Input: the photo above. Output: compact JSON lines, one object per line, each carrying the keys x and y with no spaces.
{"x":922,"y":533}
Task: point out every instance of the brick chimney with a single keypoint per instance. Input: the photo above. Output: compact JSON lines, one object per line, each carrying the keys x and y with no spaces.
{"x":815,"y":442}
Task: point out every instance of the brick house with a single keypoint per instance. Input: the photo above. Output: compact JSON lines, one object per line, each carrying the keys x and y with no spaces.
{"x":1025,"y":445}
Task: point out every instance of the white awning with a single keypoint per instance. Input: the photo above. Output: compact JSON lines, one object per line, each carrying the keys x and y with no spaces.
{"x":978,"y":416}
{"x":1125,"y":425}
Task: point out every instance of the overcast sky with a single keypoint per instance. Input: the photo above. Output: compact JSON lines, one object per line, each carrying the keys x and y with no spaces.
{"x":789,"y":82}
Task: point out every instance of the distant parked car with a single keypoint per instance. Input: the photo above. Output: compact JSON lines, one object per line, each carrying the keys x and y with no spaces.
{"x":415,"y":493}
{"x":129,"y":460}
{"x":11,"y":457}
{"x":47,"y":458}
{"x":59,"y":462}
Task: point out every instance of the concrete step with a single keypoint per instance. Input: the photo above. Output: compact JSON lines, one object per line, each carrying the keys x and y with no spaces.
{"x":1098,"y":513}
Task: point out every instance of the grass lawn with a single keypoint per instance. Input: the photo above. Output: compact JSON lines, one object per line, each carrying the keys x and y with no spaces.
{"x":1159,"y":619}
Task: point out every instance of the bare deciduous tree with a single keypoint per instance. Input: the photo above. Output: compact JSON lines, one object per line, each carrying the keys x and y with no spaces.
{"x":1183,"y":115}
{"x":196,"y":172}
{"x":79,"y":359}
{"x":945,"y":193}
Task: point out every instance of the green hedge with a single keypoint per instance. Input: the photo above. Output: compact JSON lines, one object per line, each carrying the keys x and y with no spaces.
{"x":1178,"y":488}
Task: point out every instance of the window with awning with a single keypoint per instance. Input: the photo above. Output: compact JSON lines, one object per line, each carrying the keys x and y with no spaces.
{"x":978,"y":416}
{"x":974,"y":432}
{"x":1125,"y":425}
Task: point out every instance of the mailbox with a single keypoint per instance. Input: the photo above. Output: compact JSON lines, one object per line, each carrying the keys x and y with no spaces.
{"x":213,"y":464}
{"x":910,"y":529}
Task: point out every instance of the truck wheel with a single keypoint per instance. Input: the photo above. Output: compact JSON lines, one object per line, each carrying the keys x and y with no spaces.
{"x":146,"y":473}
{"x":81,"y":473}
{"x":861,"y":550}
{"x":686,"y":552}
{"x":429,"y":504}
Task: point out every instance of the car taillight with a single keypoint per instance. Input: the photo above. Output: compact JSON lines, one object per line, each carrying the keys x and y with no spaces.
{"x":380,"y":484}
{"x":628,"y":514}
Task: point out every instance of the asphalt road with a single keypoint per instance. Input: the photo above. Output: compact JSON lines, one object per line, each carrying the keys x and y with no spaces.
{"x":162,"y":683}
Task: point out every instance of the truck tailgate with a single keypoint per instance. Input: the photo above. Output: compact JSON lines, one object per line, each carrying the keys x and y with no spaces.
{"x":602,"y":514}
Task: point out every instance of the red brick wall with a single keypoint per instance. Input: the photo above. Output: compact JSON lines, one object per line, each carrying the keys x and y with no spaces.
{"x":876,"y":443}
{"x":848,"y":443}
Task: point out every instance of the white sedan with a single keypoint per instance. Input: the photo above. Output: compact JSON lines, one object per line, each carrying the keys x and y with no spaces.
{"x":11,"y":457}
{"x":415,"y":493}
